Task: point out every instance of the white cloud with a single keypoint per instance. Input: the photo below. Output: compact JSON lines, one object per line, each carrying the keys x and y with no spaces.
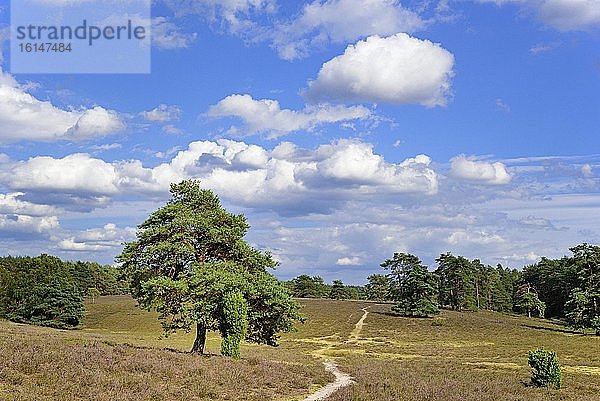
{"x":563,"y":15}
{"x":24,"y":117}
{"x":338,"y":204}
{"x":481,"y":172}
{"x":266,"y":116}
{"x":342,"y":21}
{"x":95,"y":122}
{"x":349,"y":261}
{"x":397,"y":69}
{"x":528,"y":258}
{"x":98,"y":239}
{"x":20,"y":218}
{"x":248,"y":175}
{"x":11,"y":203}
{"x":106,"y":146}
{"x":75,"y":173}
{"x":167,"y":35}
{"x":469,"y":237}
{"x":354,"y":161}
{"x":24,"y":224}
{"x":162,"y":113}
{"x":568,"y":15}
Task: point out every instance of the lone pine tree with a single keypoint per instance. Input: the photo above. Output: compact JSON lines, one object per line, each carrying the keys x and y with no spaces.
{"x":191,"y":264}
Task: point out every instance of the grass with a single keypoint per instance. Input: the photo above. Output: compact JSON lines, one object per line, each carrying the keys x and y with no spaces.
{"x":470,"y":356}
{"x":457,"y":356}
{"x":118,"y":356}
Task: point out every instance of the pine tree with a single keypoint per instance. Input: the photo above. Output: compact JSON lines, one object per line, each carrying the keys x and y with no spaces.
{"x":413,"y":287}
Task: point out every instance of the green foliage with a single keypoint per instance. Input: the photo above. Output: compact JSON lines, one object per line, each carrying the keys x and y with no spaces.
{"x":338,"y":290}
{"x":545,"y":368}
{"x":527,"y":301}
{"x":457,"y":282}
{"x":554,"y":281}
{"x":305,"y":286}
{"x":234,"y":324}
{"x":93,"y":275}
{"x":189,"y":255}
{"x":378,"y":288}
{"x":412,"y":287}
{"x":471,"y":285}
{"x":39,"y":291}
{"x":583,"y":307}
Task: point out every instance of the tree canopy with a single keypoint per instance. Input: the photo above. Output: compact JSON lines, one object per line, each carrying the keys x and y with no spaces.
{"x":191,"y":264}
{"x":40,"y":291}
{"x":412,"y":287}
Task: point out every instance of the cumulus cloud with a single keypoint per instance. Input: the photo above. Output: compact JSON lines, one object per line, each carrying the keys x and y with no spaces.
{"x":342,"y":21}
{"x":11,"y":203}
{"x":97,"y":239}
{"x":266,"y":116}
{"x":73,"y":174}
{"x":24,"y":224}
{"x":480,"y":172}
{"x":355,"y":162}
{"x":20,"y":218}
{"x":338,"y":204}
{"x":397,"y":69}
{"x":95,"y":122}
{"x":24,"y":117}
{"x":245,"y":174}
{"x":162,"y":113}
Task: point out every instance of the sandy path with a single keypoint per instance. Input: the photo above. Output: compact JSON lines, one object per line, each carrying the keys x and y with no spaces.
{"x":341,"y":379}
{"x":359,"y":325}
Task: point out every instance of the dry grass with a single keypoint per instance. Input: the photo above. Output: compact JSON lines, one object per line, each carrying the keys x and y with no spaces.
{"x":458,"y":356}
{"x":118,"y":356}
{"x":464,"y":356}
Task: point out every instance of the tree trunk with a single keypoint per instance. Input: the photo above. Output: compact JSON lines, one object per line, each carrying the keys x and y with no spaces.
{"x":200,"y":340}
{"x":477,"y":294}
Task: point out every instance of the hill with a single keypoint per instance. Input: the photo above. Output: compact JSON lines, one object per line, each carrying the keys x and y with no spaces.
{"x":458,"y":356}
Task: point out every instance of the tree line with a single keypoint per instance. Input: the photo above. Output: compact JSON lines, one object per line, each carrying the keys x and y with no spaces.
{"x":567,"y":288}
{"x":47,"y":291}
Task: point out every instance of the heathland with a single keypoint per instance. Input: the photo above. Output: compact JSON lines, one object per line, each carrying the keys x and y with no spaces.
{"x":118,"y":354}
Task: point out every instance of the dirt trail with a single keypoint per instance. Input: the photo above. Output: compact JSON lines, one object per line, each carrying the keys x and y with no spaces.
{"x":359,"y":325}
{"x":341,"y":379}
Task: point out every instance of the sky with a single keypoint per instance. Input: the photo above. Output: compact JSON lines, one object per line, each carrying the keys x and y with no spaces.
{"x":344,"y":130}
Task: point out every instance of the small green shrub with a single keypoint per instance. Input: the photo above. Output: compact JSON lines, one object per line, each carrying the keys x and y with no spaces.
{"x":545,"y":368}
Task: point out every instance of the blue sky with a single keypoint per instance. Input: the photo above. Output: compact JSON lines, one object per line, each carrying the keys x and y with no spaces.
{"x":345,"y":130}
